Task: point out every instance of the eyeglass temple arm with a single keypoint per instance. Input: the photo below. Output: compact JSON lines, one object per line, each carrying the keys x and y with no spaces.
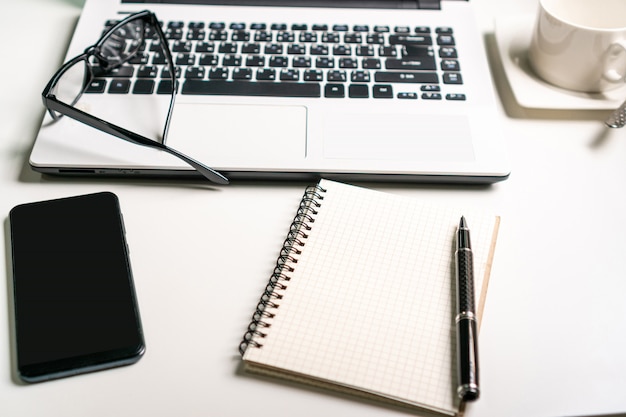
{"x":76,"y":114}
{"x":129,"y":136}
{"x":207,"y":172}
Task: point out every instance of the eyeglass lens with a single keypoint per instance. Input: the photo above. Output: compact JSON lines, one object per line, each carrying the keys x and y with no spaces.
{"x":122,"y":44}
{"x":106,"y":83}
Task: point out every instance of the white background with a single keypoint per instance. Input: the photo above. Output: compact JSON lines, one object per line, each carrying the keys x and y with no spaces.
{"x":553,"y":333}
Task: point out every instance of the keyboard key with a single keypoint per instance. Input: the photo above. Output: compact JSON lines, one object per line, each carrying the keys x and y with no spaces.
{"x":185,"y":59}
{"x":360,"y":76}
{"x":278,"y":61}
{"x":445,"y":40}
{"x":365,"y":50}
{"x":450,"y":65}
{"x":322,"y":27}
{"x":308,"y":37}
{"x":407,"y":77}
{"x":319,"y":50}
{"x":431,"y":96}
{"x":382,"y":91}
{"x":447,"y":52}
{"x":228,"y":48}
{"x":218,"y":74}
{"x":371,"y":63}
{"x":296,"y":49}
{"x":174,"y":33}
{"x":181,"y":46}
{"x":289,"y":75}
{"x":410,"y":40}
{"x":334,"y":91}
{"x":96,"y":86}
{"x":342,"y":50}
{"x":285,"y":37}
{"x":147,"y":71}
{"x":165,"y":73}
{"x":205,"y":47}
{"x":337,"y":76}
{"x":388,"y":51}
{"x":250,"y":48}
{"x":165,"y":87}
{"x":419,"y":51}
{"x":119,"y":86}
{"x":279,"y":26}
{"x":420,"y":64}
{"x":456,"y":97}
{"x":273,"y":49}
{"x":263,"y":36}
{"x":125,"y":71}
{"x":301,"y":62}
{"x":208,"y":60}
{"x":255,"y":61}
{"x":266,"y":74}
{"x":195,"y":72}
{"x":231,"y":61}
{"x":139,"y":59}
{"x":452,"y":78}
{"x":407,"y":96}
{"x":251,"y":88}
{"x":347,"y":63}
{"x":340,"y":28}
{"x":242,"y":74}
{"x":358,"y":91}
{"x":313,"y":75}
{"x":218,"y":35}
{"x":143,"y":87}
{"x":240,"y":36}
{"x":424,"y":30}
{"x":330,"y":37}
{"x":324,"y":62}
{"x":196,"y":34}
{"x":353,"y":38}
{"x":430,"y":88}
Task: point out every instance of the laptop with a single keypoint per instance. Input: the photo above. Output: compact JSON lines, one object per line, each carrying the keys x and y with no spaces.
{"x":379,"y":90}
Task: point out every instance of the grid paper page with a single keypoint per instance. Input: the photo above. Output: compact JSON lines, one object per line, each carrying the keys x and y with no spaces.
{"x":371,"y":302}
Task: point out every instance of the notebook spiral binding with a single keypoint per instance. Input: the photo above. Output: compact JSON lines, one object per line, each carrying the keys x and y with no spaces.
{"x":278,"y":282}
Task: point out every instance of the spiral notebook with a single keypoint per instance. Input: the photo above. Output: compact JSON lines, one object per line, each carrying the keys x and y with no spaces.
{"x":362,"y":298}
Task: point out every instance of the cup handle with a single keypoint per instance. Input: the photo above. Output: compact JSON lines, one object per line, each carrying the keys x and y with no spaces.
{"x":617,"y":50}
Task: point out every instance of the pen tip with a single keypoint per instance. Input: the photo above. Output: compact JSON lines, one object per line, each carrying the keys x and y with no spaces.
{"x":463,"y":223}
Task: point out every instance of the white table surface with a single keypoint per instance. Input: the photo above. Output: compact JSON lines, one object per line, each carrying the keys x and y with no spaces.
{"x":553,"y":337}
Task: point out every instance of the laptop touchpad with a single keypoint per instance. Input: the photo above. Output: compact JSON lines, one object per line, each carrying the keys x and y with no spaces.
{"x":232,"y":133}
{"x":402,"y":137}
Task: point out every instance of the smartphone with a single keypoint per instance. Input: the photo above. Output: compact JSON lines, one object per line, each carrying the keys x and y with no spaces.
{"x":75,"y":304}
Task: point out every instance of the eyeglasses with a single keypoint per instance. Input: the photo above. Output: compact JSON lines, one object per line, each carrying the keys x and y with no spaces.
{"x":117,"y":46}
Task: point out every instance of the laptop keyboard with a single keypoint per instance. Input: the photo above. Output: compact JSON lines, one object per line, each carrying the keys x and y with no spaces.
{"x":296,"y":60}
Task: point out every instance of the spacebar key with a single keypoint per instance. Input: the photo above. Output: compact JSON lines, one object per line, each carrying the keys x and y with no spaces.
{"x":249,"y":88}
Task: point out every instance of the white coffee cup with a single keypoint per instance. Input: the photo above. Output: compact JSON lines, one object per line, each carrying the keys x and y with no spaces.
{"x":580,"y":44}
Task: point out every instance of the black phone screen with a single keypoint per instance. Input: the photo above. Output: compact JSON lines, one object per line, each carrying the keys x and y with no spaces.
{"x":75,"y":303}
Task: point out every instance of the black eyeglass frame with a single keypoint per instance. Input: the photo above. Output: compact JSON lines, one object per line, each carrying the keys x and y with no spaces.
{"x":53,"y":104}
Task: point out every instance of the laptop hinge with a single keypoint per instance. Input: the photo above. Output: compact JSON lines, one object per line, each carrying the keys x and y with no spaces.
{"x":384,"y":4}
{"x":429,"y":4}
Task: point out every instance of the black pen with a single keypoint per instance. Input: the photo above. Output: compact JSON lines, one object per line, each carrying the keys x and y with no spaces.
{"x":466,"y":334}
